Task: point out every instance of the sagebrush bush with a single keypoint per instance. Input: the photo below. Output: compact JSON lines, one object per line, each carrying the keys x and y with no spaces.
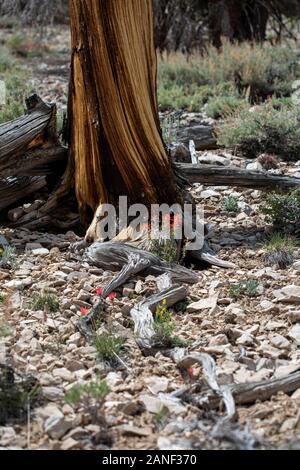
{"x":16,"y":91}
{"x":254,"y":72}
{"x":223,"y":106}
{"x":282,"y":210}
{"x":263,"y":130}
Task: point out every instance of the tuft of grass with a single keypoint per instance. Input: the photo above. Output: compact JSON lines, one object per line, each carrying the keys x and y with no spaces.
{"x":8,"y":258}
{"x":109,"y":346}
{"x":280,"y":251}
{"x":230,"y":204}
{"x":282,"y":210}
{"x":247,"y":288}
{"x":2,"y":298}
{"x":44,"y":301}
{"x":263,"y":130}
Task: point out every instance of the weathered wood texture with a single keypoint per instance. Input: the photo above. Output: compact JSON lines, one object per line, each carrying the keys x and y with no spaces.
{"x":115,"y":137}
{"x":14,"y":189}
{"x":234,"y":176}
{"x":30,"y":143}
{"x":29,"y":147}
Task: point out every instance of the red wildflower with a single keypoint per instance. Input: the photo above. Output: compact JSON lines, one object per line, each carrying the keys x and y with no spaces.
{"x":111,"y":296}
{"x":84,"y":311}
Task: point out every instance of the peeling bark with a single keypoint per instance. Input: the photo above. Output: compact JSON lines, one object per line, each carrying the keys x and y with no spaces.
{"x":114,"y":130}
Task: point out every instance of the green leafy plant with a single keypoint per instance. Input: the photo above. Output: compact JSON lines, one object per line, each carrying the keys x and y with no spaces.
{"x":2,"y":298}
{"x":280,"y":251}
{"x":282,"y":210}
{"x":91,"y":396}
{"x":44,"y":301}
{"x":109,"y":347}
{"x":162,"y":417}
{"x":230,"y":204}
{"x":247,"y":288}
{"x":165,"y":327}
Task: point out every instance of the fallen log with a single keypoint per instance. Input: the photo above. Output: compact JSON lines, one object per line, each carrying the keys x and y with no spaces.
{"x":29,"y":150}
{"x":234,"y":176}
{"x":29,"y":145}
{"x":14,"y":189}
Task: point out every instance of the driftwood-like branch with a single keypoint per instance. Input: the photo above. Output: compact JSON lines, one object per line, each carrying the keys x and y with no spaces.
{"x":234,"y":176}
{"x":130,"y":261}
{"x":249,"y":393}
{"x":209,"y":369}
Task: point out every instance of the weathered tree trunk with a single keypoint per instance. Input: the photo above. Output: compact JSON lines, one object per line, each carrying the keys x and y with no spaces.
{"x":116,"y":146}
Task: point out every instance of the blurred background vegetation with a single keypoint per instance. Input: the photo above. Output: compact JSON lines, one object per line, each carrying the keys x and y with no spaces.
{"x":222,"y":58}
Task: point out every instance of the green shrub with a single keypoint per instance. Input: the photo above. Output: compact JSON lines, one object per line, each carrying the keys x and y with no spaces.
{"x":249,"y":71}
{"x":16,"y":92}
{"x":97,"y":390}
{"x":6,"y":61}
{"x":91,"y":396}
{"x":109,"y":346}
{"x":246,"y":288}
{"x":223,"y":106}
{"x":231,"y":204}
{"x":45,"y":301}
{"x":165,"y":327}
{"x":263,"y":130}
{"x":280,"y":251}
{"x":282,"y":210}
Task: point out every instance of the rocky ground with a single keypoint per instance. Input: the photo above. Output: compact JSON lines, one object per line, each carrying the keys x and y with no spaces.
{"x":251,"y":338}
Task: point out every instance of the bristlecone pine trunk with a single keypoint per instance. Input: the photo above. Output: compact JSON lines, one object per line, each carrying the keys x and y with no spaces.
{"x":116,"y":146}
